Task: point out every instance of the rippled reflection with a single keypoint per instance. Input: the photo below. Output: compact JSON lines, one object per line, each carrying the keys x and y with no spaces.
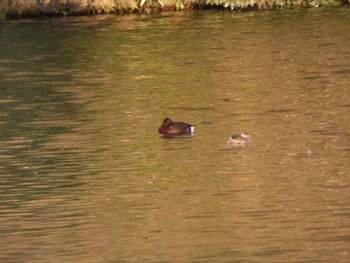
{"x":85,"y":176}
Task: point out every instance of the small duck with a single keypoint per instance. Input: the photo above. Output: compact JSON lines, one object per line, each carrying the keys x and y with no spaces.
{"x":242,"y":139}
{"x":172,"y":128}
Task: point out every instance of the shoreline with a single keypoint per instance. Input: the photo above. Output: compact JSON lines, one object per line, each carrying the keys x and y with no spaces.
{"x":30,"y":8}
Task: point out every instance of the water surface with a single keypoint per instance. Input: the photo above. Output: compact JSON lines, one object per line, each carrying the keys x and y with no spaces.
{"x":86,"y":178}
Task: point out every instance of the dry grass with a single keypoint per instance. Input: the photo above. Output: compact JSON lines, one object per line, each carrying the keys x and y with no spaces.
{"x":97,"y":6}
{"x":19,"y":7}
{"x":76,"y":6}
{"x":68,"y":7}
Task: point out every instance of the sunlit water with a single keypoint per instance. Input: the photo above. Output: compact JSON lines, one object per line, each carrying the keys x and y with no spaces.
{"x":84,"y":176}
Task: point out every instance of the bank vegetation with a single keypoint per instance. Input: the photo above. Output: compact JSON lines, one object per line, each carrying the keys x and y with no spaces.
{"x":16,"y":8}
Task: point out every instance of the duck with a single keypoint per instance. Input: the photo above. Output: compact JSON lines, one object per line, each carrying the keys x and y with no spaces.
{"x":242,"y":139}
{"x":173,"y":128}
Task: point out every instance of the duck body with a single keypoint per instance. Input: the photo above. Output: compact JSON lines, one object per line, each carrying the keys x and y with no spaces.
{"x":242,"y":139}
{"x":173,"y":128}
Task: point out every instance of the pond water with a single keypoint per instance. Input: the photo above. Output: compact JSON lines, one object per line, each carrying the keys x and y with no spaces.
{"x":85,"y":177}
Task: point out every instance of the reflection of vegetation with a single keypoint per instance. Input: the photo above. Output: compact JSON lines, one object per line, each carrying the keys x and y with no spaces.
{"x":66,"y":7}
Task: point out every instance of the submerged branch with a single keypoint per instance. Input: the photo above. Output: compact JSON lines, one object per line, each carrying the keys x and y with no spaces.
{"x":15,"y":8}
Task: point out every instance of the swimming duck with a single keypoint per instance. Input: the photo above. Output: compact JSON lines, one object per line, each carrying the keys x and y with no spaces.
{"x":242,"y":139}
{"x":172,"y":128}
